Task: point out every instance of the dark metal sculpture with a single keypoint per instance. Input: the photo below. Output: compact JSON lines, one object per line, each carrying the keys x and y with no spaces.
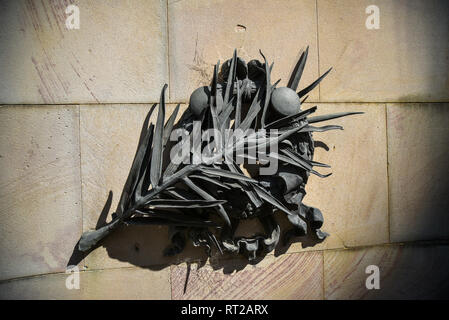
{"x":205,"y":198}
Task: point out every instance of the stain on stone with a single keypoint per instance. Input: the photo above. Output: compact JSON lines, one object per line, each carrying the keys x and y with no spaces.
{"x":240,"y":28}
{"x":200,"y":66}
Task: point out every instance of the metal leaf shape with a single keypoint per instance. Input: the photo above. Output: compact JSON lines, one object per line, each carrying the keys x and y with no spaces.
{"x":319,"y":164}
{"x":169,"y":126}
{"x":238,"y":107}
{"x":174,"y":203}
{"x":303,"y":163}
{"x":331,"y":116}
{"x":300,"y":164}
{"x":252,"y":113}
{"x":230,"y":82}
{"x":90,"y":239}
{"x":166,"y":183}
{"x":133,"y":177}
{"x":288,"y":160}
{"x":311,"y":162}
{"x":284,"y":121}
{"x":268,"y":89}
{"x":210,"y":180}
{"x":174,"y":216}
{"x":162,"y":221}
{"x":143,"y":182}
{"x":321,"y":129}
{"x":306,"y":90}
{"x":207,"y":196}
{"x":181,"y":194}
{"x":214,"y":105}
{"x":298,"y":70}
{"x":247,"y":187}
{"x":305,"y":99}
{"x":223,"y":118}
{"x":270,"y":199}
{"x":276,"y":140}
{"x":156,"y":157}
{"x":226,"y":174}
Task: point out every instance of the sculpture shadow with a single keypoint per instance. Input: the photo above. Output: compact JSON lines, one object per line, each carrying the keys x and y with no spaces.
{"x":143,"y":246}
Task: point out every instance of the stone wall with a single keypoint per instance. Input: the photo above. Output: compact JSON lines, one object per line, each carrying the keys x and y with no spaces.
{"x":73,"y":102}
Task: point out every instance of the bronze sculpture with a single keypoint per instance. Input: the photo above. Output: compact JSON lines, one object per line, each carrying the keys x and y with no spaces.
{"x":205,"y":194}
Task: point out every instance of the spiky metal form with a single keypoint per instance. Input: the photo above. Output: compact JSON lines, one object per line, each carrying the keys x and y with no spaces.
{"x":206,"y":199}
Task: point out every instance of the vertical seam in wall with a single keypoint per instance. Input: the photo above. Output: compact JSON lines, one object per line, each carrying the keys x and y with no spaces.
{"x":322,"y":270}
{"x":168,"y":50}
{"x":388,"y":176}
{"x":81,"y":177}
{"x":171,"y":282}
{"x":318,"y":48}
